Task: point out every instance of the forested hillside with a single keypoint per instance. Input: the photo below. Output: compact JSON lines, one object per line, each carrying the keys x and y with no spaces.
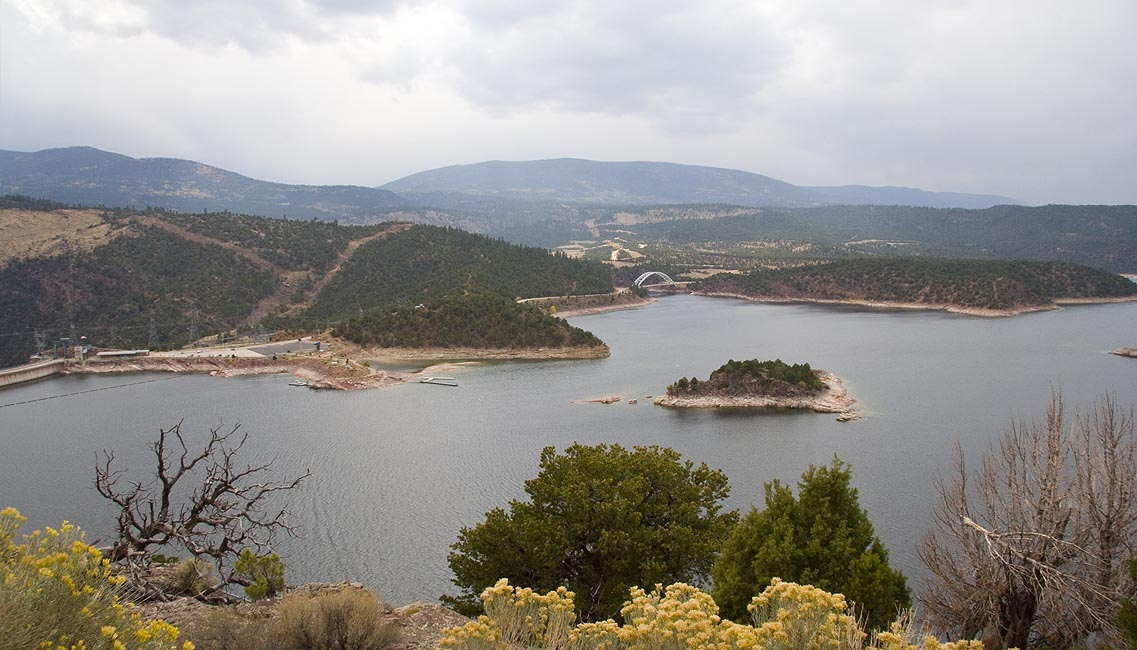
{"x":113,"y":273}
{"x":425,"y":263}
{"x":965,"y":283}
{"x":108,"y":293}
{"x":1104,"y":236}
{"x":482,"y":320}
{"x":288,"y":244}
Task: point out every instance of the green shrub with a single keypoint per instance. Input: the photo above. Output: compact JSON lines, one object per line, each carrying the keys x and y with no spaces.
{"x":193,"y":577}
{"x":58,"y":592}
{"x":265,"y":574}
{"x":347,"y":619}
{"x":226,"y":629}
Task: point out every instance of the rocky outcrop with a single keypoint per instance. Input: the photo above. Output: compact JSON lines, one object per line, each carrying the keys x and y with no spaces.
{"x":1126,"y":352}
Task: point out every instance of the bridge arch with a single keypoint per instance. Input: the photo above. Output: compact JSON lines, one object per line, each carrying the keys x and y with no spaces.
{"x":643,"y":278}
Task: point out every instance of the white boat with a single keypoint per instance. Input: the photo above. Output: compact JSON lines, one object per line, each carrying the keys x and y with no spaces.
{"x":438,"y":381}
{"x":297,"y":382}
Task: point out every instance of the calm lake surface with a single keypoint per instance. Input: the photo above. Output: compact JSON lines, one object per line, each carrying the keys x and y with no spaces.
{"x":396,"y":473}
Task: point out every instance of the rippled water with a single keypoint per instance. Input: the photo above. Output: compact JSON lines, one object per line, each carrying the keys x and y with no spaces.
{"x":396,"y":473}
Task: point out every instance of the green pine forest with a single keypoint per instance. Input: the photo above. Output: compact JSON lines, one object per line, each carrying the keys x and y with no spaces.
{"x":480,"y":320}
{"x":968,"y":283}
{"x":752,"y":377}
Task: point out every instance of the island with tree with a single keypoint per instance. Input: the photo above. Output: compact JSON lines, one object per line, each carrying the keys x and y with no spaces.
{"x":763,"y":384}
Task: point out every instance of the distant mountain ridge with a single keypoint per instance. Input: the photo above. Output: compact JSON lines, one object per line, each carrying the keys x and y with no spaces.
{"x":574,"y":180}
{"x":500,"y":190}
{"x":89,"y":176}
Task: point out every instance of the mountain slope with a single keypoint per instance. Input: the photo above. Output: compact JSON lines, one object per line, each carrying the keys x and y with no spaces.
{"x":644,"y":183}
{"x":92,"y":177}
{"x":1104,"y":236}
{"x":116,"y":275}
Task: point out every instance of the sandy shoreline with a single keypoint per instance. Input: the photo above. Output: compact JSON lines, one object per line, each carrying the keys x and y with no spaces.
{"x":919,"y":306}
{"x":834,"y":399}
{"x":586,"y":311}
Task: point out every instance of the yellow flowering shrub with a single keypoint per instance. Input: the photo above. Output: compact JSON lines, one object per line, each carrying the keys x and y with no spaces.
{"x":801,"y":617}
{"x":517,"y":617}
{"x":58,"y":593}
{"x":786,"y":616}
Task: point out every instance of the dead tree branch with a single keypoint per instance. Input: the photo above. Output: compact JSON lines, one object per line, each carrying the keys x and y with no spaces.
{"x":207,"y":503}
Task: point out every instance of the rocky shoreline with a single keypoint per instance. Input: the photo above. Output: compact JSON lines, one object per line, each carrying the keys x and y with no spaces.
{"x":834,"y":399}
{"x":328,"y":372}
{"x":919,"y":306}
{"x":1125,"y":352}
{"x":319,"y":373}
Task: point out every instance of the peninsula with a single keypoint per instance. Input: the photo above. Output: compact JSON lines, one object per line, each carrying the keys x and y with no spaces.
{"x":976,"y":287}
{"x":763,"y":384}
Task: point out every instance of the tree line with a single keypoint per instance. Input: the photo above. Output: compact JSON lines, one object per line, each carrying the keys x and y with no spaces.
{"x":752,"y":377}
{"x":967,"y":283}
{"x":481,"y":320}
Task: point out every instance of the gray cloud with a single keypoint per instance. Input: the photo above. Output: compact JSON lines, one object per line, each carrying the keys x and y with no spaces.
{"x":1029,"y":98}
{"x":684,"y":67}
{"x":255,"y":25}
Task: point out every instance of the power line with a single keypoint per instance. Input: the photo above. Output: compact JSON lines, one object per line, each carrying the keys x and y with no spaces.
{"x":91,"y":390}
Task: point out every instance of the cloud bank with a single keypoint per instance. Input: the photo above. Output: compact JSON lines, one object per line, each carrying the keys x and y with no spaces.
{"x":1027,"y":99}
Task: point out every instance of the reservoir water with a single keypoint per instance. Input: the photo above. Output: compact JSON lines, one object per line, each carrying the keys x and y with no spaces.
{"x":397,"y":473}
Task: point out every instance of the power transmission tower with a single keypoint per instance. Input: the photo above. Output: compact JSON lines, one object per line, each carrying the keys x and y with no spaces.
{"x":193,"y":323}
{"x":152,"y":343}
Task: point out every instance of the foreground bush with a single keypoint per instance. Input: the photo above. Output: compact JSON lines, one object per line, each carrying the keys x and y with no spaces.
{"x":58,"y":593}
{"x":338,"y":619}
{"x":786,"y":616}
{"x":341,"y":620}
{"x":599,"y":520}
{"x":822,"y":537}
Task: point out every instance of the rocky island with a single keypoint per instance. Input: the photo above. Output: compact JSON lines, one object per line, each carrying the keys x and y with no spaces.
{"x":763,"y":384}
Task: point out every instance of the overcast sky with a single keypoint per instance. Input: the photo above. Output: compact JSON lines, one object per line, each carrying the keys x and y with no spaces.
{"x":1034,"y":99}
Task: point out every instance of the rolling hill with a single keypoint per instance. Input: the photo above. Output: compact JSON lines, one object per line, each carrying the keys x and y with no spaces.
{"x":88,"y":176}
{"x":498,"y":193}
{"x":572,"y":180}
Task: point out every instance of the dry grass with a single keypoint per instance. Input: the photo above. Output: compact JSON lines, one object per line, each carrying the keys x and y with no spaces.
{"x":29,"y":233}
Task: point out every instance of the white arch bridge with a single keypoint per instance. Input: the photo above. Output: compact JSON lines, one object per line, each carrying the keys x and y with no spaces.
{"x":641,"y":281}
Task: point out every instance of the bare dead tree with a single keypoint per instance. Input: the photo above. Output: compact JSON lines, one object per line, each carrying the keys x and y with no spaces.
{"x":1032,"y":553}
{"x":207,"y":503}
